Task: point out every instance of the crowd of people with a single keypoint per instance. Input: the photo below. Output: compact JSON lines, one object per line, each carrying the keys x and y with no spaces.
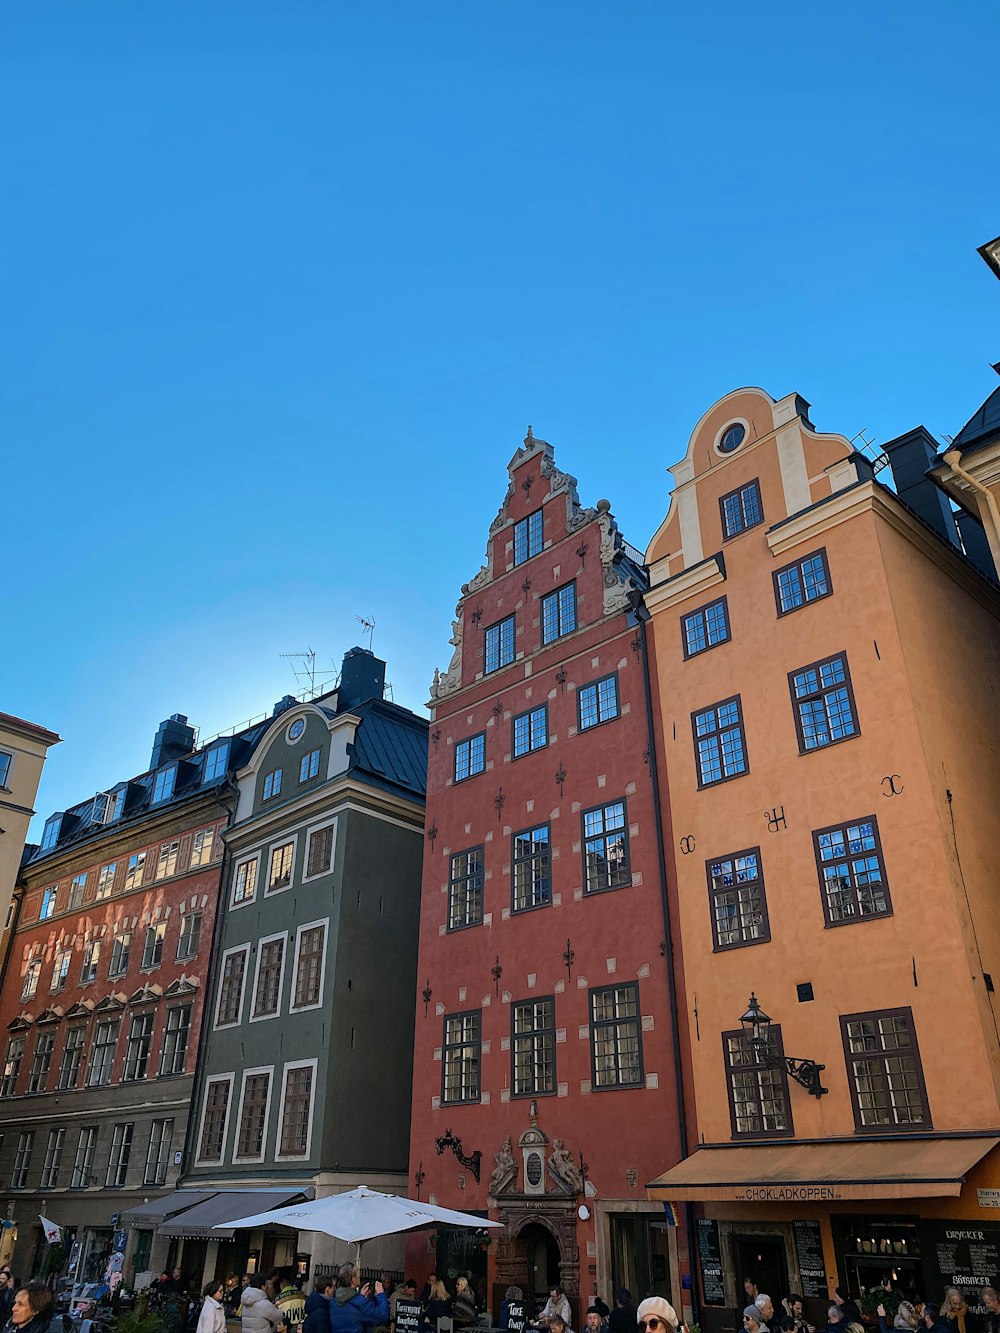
{"x":895,"y":1313}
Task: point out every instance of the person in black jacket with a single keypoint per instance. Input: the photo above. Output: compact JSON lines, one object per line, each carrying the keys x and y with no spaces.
{"x":32,"y":1310}
{"x":622,"y":1318}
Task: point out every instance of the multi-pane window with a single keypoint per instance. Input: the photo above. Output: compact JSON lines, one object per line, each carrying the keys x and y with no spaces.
{"x":461,"y":1057}
{"x":152,"y":948}
{"x":851,"y":872}
{"x":167,"y":864}
{"x":720,"y":745}
{"x":31,"y":975}
{"x":883,"y":1068}
{"x":253,"y":1115}
{"x":103,"y":1055}
{"x":53,"y":1159}
{"x":616,"y":1036}
{"x":823,"y":703}
{"x":281,"y":867}
{"x":741,"y":509}
{"x":60,"y":970}
{"x":532,"y":869}
{"x":106,"y":880}
{"x":598,"y":702}
{"x":215,"y":763}
{"x":175,"y":1039}
{"x":293,"y":1141}
{"x":190,"y":936}
{"x":83,"y":1162}
{"x":136,"y":866}
{"x":267,"y":992}
{"x":41,"y":1061}
{"x":161,"y":1135}
{"x":465,"y":889}
{"x":91,"y":962}
{"x":22,"y":1159}
{"x":12,"y":1067}
{"x":72,"y":1058}
{"x":138,"y":1046}
{"x":559,"y":613}
{"x":758,"y":1093}
{"x":6,"y":760}
{"x":320,"y":852}
{"x":48,"y":906}
{"x":51,"y":831}
{"x":164,"y":783}
{"x":121,"y":1151}
{"x":531,"y":730}
{"x":528,"y":537}
{"x":77,"y":888}
{"x":738,"y":904}
{"x":704,"y":628}
{"x":231,"y":987}
{"x":120,"y":950}
{"x":309,"y":967}
{"x":245,"y":881}
{"x":533,"y":1047}
{"x":500,"y":644}
{"x":309,"y":765}
{"x":470,"y":757}
{"x":605,"y":848}
{"x":806,"y":581}
{"x":213,"y":1123}
{"x":272,"y":784}
{"x":202,"y":846}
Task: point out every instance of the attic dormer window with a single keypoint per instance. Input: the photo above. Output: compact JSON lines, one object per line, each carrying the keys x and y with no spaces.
{"x":215,"y":762}
{"x":50,"y":834}
{"x":163,"y":786}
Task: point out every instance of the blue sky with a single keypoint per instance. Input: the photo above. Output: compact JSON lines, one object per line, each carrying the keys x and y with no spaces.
{"x":285,"y":283}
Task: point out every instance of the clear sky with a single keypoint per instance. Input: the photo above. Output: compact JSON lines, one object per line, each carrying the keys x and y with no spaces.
{"x":284,"y":283}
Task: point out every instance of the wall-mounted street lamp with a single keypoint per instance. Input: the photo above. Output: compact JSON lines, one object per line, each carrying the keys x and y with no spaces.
{"x":991,"y":253}
{"x":756,"y":1025}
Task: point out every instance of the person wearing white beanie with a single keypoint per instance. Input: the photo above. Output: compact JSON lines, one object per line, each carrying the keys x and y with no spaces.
{"x":656,"y":1315}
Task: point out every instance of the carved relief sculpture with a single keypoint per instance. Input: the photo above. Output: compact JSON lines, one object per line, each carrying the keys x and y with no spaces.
{"x":563,"y":1170}
{"x":505,"y":1171}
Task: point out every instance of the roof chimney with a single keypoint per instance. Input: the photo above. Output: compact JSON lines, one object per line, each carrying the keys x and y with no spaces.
{"x":173,"y":740}
{"x":910,"y":456}
{"x":284,"y":703}
{"x":362,"y":677}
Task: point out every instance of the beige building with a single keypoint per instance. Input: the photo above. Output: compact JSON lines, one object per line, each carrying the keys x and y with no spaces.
{"x":23,"y":747}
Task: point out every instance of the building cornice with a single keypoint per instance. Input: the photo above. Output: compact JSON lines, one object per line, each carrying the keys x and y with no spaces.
{"x":690,"y":582}
{"x":320,"y":802}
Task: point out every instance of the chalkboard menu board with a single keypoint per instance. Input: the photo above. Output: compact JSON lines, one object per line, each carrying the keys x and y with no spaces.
{"x":809,"y":1252}
{"x":515,"y":1317}
{"x":407,"y":1316}
{"x":963,"y":1255}
{"x":710,"y":1259}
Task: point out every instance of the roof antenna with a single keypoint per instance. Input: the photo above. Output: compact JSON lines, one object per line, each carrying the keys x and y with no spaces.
{"x":307,"y":672}
{"x":368,"y":625}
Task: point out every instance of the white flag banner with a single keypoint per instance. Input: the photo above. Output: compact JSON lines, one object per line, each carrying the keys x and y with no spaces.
{"x":53,"y":1233}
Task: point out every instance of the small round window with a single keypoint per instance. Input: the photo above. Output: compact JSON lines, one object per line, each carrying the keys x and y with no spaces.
{"x":732,"y":437}
{"x":296,"y":728}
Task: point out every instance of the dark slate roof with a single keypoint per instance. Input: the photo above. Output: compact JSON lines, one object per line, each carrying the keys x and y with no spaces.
{"x":982,"y":426}
{"x":390,"y":747}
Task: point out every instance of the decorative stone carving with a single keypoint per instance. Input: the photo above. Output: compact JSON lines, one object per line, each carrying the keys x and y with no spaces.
{"x":563,"y":1170}
{"x":617,"y":584}
{"x":504,"y":1171}
{"x":446,"y":684}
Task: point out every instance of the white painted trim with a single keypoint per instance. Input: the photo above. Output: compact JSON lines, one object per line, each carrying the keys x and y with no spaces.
{"x":287,"y":840}
{"x":296,"y":1157}
{"x":692,"y":582}
{"x":268,"y":939}
{"x":239,"y":861}
{"x":216,"y":1025}
{"x":732,"y":421}
{"x":309,"y":925}
{"x":792,"y":465}
{"x":258,"y":1069}
{"x":228,"y":1079}
{"x":310,"y":830}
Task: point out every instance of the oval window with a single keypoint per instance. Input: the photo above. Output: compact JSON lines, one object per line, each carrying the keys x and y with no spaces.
{"x":296,"y":729}
{"x":732,"y":437}
{"x":533,"y":1168}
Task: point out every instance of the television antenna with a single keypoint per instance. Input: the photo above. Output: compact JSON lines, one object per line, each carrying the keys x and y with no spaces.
{"x":311,"y":681}
{"x":368,"y":625}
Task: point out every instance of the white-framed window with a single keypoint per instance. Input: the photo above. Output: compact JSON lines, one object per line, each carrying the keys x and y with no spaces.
{"x":255,"y":1109}
{"x":282,"y":864}
{"x":6,"y":764}
{"x":161,"y":1133}
{"x":48,"y":902}
{"x":22,"y":1159}
{"x":53,"y":1159}
{"x":202,"y":846}
{"x":190,"y":936}
{"x":175,"y":1040}
{"x":310,"y":966}
{"x":245,"y":881}
{"x":309,"y":765}
{"x":272,"y":784}
{"x":319,"y":850}
{"x":215,"y":762}
{"x":268,"y":977}
{"x":136,"y":867}
{"x":106,"y":880}
{"x":152,"y":948}
{"x":138,"y":1046}
{"x":60,"y":970}
{"x":121,"y":1151}
{"x":215,"y":1118}
{"x":77,"y":888}
{"x":164,"y":783}
{"x":91,"y":960}
{"x":31,"y":975}
{"x":167,"y":864}
{"x":298,"y":1085}
{"x":232,"y":975}
{"x":83,"y":1163}
{"x":120,"y":951}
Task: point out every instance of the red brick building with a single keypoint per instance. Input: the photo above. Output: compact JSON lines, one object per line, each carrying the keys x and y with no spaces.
{"x":545,"y":1066}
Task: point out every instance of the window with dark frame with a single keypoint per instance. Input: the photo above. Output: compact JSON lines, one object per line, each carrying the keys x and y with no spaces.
{"x":309,"y":766}
{"x":134,"y":873}
{"x":852,"y":872}
{"x":91,"y":961}
{"x":121,"y":1151}
{"x":41,"y":1061}
{"x":272,"y":784}
{"x":120,"y":950}
{"x":741,"y":509}
{"x":470,"y":757}
{"x":888,"y":1092}
{"x":706,"y":627}
{"x":616,"y":1037}
{"x":320,"y":852}
{"x":499,"y":644}
{"x":465,"y":889}
{"x":12,"y":1066}
{"x":533,"y":1047}
{"x":738,"y":902}
{"x":138,"y":1047}
{"x":161,"y":1133}
{"x":823,"y":703}
{"x":105,"y":881}
{"x":805,"y":581}
{"x":22,"y":1159}
{"x":152,"y":949}
{"x":72,"y":1058}
{"x":461,"y":1057}
{"x":83,"y":1162}
{"x":253,"y":1114}
{"x":530,"y":730}
{"x":528,"y":537}
{"x":202,"y":846}
{"x":558,"y":613}
{"x":597,"y":702}
{"x":720,"y":743}
{"x":189,"y":937}
{"x":53,"y":1159}
{"x":531,"y":869}
{"x":759,"y":1105}
{"x":213,"y":1125}
{"x":77,"y":888}
{"x":245,"y":881}
{"x":605,"y":848}
{"x":103,"y":1055}
{"x":280,"y":875}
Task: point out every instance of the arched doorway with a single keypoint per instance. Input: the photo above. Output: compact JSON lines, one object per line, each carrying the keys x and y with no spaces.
{"x":536,"y":1247}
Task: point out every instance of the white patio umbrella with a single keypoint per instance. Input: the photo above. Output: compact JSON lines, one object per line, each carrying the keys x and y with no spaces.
{"x":360,"y":1215}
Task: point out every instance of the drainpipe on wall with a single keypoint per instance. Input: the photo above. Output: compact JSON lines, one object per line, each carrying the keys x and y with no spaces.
{"x":952,"y":457}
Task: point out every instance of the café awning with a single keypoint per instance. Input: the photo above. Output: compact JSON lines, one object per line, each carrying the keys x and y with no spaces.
{"x":813,"y":1172}
{"x":156,"y":1211}
{"x":204,"y":1218}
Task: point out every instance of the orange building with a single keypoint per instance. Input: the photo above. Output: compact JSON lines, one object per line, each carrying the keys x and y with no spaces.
{"x":828,"y":663}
